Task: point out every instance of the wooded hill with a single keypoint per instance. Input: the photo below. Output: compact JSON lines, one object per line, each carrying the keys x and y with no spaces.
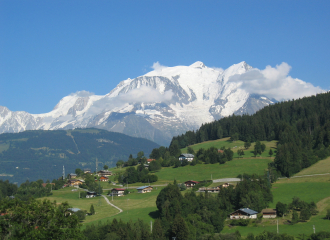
{"x":41,"y":154}
{"x":302,"y":128}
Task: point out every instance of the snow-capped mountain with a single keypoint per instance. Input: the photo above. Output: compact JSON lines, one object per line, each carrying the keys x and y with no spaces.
{"x":158,"y":105}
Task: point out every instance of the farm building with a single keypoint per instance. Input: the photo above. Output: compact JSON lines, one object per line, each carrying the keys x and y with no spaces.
{"x":186,"y":156}
{"x":144,"y":189}
{"x":243,"y":213}
{"x":269,"y":213}
{"x":190,"y":183}
{"x":105,"y":173}
{"x":117,"y":192}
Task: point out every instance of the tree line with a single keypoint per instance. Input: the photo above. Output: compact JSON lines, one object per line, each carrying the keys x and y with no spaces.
{"x":301,"y":127}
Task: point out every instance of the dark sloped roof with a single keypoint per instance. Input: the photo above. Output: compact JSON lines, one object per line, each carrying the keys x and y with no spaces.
{"x":187,"y":155}
{"x":247,"y":211}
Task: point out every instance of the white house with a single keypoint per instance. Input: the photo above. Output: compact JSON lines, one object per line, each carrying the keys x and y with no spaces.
{"x":243,"y":213}
{"x":186,"y":156}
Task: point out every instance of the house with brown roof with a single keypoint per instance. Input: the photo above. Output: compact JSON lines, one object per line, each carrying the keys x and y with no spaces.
{"x":269,"y":213}
{"x":104,"y":179}
{"x":75,"y":182}
{"x":105,"y":173}
{"x":117,"y":192}
{"x":190,"y":183}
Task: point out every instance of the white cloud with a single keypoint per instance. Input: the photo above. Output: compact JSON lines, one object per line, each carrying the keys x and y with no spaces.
{"x":145,"y":94}
{"x":275,"y":83}
{"x":157,"y":66}
{"x":82,"y":93}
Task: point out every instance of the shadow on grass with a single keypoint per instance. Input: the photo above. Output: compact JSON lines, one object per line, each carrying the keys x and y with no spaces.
{"x":154,"y":214}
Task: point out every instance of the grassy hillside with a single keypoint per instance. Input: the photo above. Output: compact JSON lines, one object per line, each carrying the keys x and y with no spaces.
{"x":143,"y":206}
{"x":41,"y":154}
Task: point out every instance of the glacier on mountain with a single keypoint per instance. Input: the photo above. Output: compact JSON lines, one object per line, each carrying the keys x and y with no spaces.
{"x":158,"y":105}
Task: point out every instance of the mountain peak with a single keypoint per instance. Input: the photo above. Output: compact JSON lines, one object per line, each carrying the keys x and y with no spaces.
{"x":198,"y":64}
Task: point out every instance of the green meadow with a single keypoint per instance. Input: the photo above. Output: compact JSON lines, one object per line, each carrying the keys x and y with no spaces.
{"x":143,"y":206}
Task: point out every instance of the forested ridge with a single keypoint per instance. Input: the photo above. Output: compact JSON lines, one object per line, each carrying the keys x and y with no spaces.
{"x":41,"y":154}
{"x":302,"y":128}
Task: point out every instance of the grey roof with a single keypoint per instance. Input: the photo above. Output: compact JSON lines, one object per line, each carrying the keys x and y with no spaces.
{"x":143,"y":187}
{"x":187,"y":155}
{"x":248,"y":211}
{"x":74,"y":209}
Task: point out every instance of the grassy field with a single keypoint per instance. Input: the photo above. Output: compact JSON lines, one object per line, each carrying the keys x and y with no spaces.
{"x":102,"y":209}
{"x":135,"y":205}
{"x":320,"y":167}
{"x":143,"y":206}
{"x":309,"y":189}
{"x":225,"y":142}
{"x":204,"y":171}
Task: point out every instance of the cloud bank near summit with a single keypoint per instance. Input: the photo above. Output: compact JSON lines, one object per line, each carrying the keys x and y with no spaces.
{"x":275,"y":83}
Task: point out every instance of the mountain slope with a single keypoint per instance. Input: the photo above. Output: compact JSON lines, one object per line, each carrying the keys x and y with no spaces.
{"x":158,"y":105}
{"x":42,"y":154}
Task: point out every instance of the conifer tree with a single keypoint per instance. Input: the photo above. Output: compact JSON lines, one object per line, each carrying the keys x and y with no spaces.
{"x":92,"y":210}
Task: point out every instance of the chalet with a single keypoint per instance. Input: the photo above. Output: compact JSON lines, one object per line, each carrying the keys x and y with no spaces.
{"x":144,"y":189}
{"x":186,"y":156}
{"x":150,"y":160}
{"x":87,"y":170}
{"x":243,"y":213}
{"x":75,"y":182}
{"x":269,"y":213}
{"x":104,"y":179}
{"x":220,"y":151}
{"x":45,"y":184}
{"x":72,"y":175}
{"x":105,"y":173}
{"x":117,"y":192}
{"x":90,"y":194}
{"x":190,"y":183}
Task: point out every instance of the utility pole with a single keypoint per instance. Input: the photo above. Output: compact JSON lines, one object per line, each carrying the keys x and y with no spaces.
{"x":314,"y":228}
{"x":277,"y":226}
{"x":96,"y":165}
{"x":63,"y":173}
{"x":151,"y":225}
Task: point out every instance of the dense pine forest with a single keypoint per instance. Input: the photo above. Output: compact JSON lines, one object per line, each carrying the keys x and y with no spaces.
{"x":302,"y":128}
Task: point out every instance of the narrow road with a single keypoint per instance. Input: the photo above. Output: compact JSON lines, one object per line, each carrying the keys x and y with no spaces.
{"x":107,"y":200}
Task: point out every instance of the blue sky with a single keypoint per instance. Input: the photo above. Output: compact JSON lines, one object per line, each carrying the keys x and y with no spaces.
{"x":49,"y":49}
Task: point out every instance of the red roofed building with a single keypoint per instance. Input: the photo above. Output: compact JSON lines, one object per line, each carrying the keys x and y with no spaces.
{"x":104,"y":179}
{"x":150,"y":160}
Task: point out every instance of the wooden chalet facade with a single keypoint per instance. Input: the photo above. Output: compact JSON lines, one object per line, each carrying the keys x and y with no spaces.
{"x":75,"y":182}
{"x":105,"y":173}
{"x":244,"y":213}
{"x":269,"y":213}
{"x":72,"y":175}
{"x":91,"y":194}
{"x":190,"y":183}
{"x":144,"y":189}
{"x":104,"y":179}
{"x":117,"y":192}
{"x":87,"y":170}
